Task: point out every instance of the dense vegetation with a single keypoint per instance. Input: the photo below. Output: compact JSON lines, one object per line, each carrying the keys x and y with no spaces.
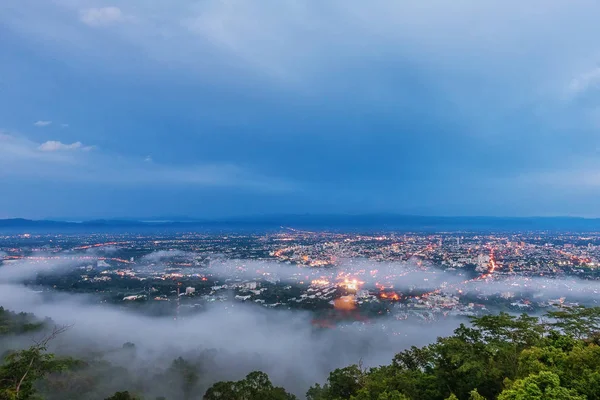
{"x":13,"y":323}
{"x":496,"y":357}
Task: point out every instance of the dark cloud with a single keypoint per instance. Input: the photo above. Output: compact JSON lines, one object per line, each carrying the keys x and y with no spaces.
{"x":453,"y":108}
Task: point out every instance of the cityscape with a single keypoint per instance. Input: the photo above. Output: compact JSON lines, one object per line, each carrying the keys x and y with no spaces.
{"x":340,"y":277}
{"x":291,"y":199}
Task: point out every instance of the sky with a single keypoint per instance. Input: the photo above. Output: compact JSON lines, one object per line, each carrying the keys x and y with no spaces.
{"x":227,"y":108}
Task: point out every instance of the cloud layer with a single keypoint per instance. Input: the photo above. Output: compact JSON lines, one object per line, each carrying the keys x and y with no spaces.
{"x":54,"y":145}
{"x":379,"y":107}
{"x":243,"y":338}
{"x":101,"y":16}
{"x":75,"y":162}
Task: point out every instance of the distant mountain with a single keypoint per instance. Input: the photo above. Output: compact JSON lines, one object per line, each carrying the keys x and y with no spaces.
{"x":325,"y":222}
{"x":21,"y":222}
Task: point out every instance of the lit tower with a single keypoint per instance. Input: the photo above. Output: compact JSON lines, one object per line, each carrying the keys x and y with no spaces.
{"x":178,"y":302}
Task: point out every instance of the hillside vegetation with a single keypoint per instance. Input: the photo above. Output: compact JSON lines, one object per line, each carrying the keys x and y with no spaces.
{"x":495,"y":357}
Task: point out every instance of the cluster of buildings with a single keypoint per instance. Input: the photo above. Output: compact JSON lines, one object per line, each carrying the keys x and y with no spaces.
{"x":185,"y":268}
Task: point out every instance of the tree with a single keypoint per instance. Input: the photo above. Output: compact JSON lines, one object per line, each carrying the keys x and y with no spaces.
{"x":122,"y":396}
{"x":415,"y":358}
{"x":21,"y":369}
{"x":524,"y":331}
{"x":185,"y":375}
{"x":580,"y":322}
{"x":255,"y":386}
{"x":393,"y":395}
{"x":345,"y":382}
{"x":364,"y":394}
{"x":503,"y":357}
{"x":474,"y":395}
{"x":317,"y":392}
{"x":543,"y":386}
{"x":580,"y":370}
{"x":221,"y":391}
{"x":11,"y":322}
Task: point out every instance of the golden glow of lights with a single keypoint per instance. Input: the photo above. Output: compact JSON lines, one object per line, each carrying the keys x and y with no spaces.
{"x":350,"y":284}
{"x":390,"y":296}
{"x":320,"y":282}
{"x":345,"y":303}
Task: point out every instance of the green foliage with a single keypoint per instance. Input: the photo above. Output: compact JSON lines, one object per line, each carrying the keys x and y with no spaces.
{"x":13,"y":323}
{"x":256,"y":386}
{"x":497,"y":357}
{"x":579,"y":322}
{"x":122,"y":396}
{"x":474,"y":395}
{"x":21,"y":369}
{"x":84,"y":379}
{"x":500,"y":357}
{"x":543,"y":386}
{"x":345,"y":382}
{"x":364,"y":394}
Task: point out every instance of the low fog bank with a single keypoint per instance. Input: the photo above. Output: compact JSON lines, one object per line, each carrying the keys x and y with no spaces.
{"x":411,"y":274}
{"x":401,"y":274}
{"x":228,"y":340}
{"x":232,"y":339}
{"x":573,"y":289}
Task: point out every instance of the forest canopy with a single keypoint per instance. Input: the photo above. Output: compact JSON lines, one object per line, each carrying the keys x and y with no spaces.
{"x":502,"y":357}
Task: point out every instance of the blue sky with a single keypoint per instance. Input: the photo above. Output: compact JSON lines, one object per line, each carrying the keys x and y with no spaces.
{"x":219,"y":108}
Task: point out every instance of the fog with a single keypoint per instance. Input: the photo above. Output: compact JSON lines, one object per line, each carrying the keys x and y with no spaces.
{"x":162,"y":255}
{"x":25,"y":269}
{"x":282,"y":343}
{"x":411,"y":274}
{"x":228,"y":340}
{"x":544,"y":288}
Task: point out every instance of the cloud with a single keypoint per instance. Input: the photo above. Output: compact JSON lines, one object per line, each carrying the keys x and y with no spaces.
{"x":17,"y":152}
{"x":162,"y":255}
{"x":411,"y":275}
{"x":587,"y":81}
{"x":55,"y":159}
{"x":42,"y":123}
{"x":536,"y":288}
{"x":101,"y":16}
{"x":282,"y":343}
{"x":241,"y":337}
{"x":583,"y":173}
{"x":53,"y":145}
{"x":408,"y":275}
{"x":337,"y":95}
{"x":21,"y":270}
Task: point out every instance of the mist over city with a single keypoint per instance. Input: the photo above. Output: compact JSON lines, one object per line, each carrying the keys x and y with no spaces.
{"x":295,"y":304}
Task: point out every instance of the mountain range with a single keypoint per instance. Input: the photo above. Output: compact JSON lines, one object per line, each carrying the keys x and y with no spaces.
{"x":321,"y":221}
